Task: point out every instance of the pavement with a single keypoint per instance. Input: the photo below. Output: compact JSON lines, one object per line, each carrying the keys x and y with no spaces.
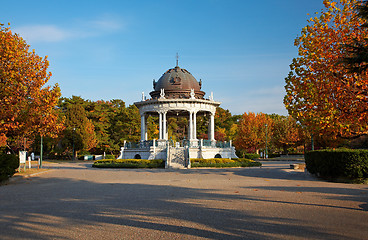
{"x":76,"y":201}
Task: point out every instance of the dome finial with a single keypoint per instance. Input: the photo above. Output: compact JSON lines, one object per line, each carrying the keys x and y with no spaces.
{"x":177,"y":59}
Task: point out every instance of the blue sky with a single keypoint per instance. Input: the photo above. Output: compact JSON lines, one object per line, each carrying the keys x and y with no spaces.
{"x":114,"y":49}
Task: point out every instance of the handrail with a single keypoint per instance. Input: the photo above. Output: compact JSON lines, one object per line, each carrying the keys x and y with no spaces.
{"x":184,"y":143}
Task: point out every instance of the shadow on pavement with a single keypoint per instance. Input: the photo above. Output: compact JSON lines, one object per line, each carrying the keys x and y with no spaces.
{"x":144,"y":206}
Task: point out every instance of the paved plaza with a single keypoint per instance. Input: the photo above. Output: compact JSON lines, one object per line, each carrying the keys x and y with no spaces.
{"x":75,"y":201}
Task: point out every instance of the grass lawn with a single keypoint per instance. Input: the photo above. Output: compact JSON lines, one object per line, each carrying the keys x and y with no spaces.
{"x":30,"y":171}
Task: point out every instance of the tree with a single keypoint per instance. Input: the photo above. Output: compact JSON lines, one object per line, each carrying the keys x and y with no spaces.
{"x":99,"y":113}
{"x":356,"y":53}
{"x":125,"y":126}
{"x":79,"y":130}
{"x":321,"y":93}
{"x":286,"y":133}
{"x":152,"y":127}
{"x":225,"y":124}
{"x":252,"y":132}
{"x":27,"y":106}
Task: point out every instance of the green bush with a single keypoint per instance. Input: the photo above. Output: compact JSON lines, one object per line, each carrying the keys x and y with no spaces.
{"x":247,"y":162}
{"x":340,"y":163}
{"x":109,"y":156}
{"x":243,"y":154}
{"x":223,"y":162}
{"x":8,"y":164}
{"x":129,"y":163}
{"x":274,"y":155}
{"x":250,"y":156}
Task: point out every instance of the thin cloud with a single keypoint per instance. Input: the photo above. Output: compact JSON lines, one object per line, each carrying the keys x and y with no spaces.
{"x":43,"y":33}
{"x":53,"y":33}
{"x":107,"y":23}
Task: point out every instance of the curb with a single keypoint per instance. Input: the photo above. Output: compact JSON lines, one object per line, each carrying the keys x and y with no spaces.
{"x":20,"y":177}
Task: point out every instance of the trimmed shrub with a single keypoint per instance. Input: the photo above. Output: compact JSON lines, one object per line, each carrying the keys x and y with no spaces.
{"x":251,"y":156}
{"x":8,"y":164}
{"x":129,"y":163}
{"x":274,"y":155}
{"x":340,"y":163}
{"x":223,"y":162}
{"x":247,"y":162}
{"x":109,"y":156}
{"x":243,"y":154}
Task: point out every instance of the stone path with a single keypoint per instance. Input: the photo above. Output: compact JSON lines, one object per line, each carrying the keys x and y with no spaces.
{"x":75,"y":201}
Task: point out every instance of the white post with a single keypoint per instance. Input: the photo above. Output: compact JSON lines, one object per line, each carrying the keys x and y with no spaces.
{"x":143,"y":127}
{"x":209,"y":128}
{"x":145,"y":131}
{"x":164,"y":127}
{"x":190,"y":128}
{"x":195,"y":125}
{"x":154,"y":145}
{"x":160,"y":125}
{"x":212,"y":127}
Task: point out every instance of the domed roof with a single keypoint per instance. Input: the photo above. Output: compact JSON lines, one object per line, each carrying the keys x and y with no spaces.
{"x":177,"y":78}
{"x":177,"y":83}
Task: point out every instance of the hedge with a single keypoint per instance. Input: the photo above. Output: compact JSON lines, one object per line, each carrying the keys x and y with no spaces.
{"x":251,"y":156}
{"x":274,"y":155}
{"x":109,"y":156}
{"x":129,"y":163}
{"x":340,"y":163}
{"x":223,"y":162}
{"x":8,"y":164}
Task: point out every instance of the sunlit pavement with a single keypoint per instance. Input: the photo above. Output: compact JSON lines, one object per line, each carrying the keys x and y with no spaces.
{"x":75,"y":201}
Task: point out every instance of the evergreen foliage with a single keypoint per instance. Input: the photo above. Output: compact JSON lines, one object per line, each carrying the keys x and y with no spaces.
{"x":8,"y":164}
{"x":340,"y":163}
{"x":223,"y":162}
{"x":129,"y":163}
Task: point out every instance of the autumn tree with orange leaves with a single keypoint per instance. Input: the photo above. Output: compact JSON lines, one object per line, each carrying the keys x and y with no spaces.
{"x":321,"y":93}
{"x":252,"y":132}
{"x":286,"y":133}
{"x":27,"y":106}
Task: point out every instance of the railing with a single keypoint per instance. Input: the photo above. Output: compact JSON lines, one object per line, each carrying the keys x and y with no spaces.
{"x":142,"y":144}
{"x":183,"y":143}
{"x":223,"y":144}
{"x":207,"y":143}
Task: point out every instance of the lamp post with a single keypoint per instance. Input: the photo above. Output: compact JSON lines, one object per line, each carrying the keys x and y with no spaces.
{"x":73,"y":144}
{"x":41,"y":151}
{"x":266,"y":156}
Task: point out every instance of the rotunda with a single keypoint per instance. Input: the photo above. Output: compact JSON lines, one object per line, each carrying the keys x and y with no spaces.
{"x":177,"y":93}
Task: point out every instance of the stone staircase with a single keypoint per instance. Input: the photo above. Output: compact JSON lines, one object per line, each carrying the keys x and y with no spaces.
{"x":177,"y":157}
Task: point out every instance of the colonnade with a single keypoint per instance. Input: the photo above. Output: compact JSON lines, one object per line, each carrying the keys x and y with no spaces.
{"x":192,"y":127}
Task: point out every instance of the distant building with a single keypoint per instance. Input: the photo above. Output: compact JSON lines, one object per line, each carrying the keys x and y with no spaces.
{"x":177,"y":94}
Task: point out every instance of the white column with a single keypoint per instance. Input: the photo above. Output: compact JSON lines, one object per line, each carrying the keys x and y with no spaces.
{"x":164,"y":126}
{"x":212,"y":127}
{"x":143,"y":127}
{"x":209,"y":128}
{"x":145,"y":131}
{"x":194,"y":125}
{"x":160,"y":125}
{"x":190,"y":128}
